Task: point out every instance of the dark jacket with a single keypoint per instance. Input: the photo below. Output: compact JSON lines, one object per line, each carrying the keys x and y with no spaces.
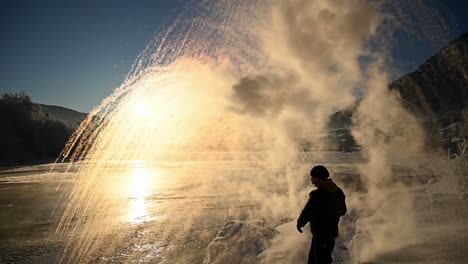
{"x":323,"y":210}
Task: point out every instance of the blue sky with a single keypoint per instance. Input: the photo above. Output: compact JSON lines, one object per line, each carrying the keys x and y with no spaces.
{"x":74,"y":53}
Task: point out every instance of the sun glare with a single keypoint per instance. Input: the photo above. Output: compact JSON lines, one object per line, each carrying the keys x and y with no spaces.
{"x":139,"y":183}
{"x":142,"y":109}
{"x":138,"y":191}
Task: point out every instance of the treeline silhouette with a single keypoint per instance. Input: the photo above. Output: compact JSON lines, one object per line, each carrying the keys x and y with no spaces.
{"x":27,"y":133}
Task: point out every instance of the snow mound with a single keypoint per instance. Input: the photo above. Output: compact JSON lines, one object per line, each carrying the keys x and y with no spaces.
{"x":239,"y":242}
{"x":291,"y":246}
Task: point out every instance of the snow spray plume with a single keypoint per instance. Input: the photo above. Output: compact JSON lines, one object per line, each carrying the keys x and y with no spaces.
{"x":173,"y":101}
{"x":228,"y":78}
{"x":389,"y":136}
{"x":322,"y":43}
{"x":311,"y":49}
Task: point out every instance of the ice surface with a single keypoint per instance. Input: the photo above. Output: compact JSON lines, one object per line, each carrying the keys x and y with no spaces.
{"x":439,"y":235}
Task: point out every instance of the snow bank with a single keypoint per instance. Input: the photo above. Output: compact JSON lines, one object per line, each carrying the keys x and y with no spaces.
{"x":251,"y":242}
{"x":290,"y":246}
{"x":239,"y":242}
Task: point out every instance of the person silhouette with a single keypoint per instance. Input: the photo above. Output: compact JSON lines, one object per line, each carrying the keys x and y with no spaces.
{"x":322,"y":211}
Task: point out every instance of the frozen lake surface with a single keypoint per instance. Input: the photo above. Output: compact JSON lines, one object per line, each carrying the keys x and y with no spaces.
{"x":171,"y":210}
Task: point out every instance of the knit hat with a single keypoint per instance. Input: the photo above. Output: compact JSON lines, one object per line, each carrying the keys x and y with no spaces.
{"x":319,"y":172}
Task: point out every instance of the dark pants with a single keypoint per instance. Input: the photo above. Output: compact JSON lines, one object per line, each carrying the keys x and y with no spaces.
{"x":321,"y":250}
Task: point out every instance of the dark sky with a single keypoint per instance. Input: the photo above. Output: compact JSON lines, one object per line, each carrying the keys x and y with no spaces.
{"x":74,"y":53}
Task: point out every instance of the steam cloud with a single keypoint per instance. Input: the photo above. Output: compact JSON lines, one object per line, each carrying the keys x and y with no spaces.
{"x":321,"y":43}
{"x":239,"y":76}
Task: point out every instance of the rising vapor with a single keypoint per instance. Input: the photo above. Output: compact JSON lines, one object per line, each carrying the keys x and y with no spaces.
{"x":239,"y":77}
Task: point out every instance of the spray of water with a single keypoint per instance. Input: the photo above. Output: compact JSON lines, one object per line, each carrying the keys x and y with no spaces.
{"x":235,"y":77}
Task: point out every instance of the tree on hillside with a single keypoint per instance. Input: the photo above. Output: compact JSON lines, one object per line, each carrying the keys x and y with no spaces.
{"x":27,"y":133}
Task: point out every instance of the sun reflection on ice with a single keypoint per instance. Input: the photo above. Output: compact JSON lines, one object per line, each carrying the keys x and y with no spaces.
{"x":138,"y":191}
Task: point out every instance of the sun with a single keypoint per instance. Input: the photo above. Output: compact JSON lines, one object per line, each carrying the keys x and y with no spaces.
{"x":142,"y":109}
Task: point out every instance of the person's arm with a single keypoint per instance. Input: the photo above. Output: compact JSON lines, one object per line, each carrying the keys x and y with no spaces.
{"x":305,"y":215}
{"x":342,"y":209}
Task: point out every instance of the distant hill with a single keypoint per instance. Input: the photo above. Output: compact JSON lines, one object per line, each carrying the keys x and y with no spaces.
{"x":69,"y":117}
{"x":437,"y":93}
{"x":32,"y":132}
{"x":438,"y":89}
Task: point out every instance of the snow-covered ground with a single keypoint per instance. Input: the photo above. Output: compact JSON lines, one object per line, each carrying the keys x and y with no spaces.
{"x":438,"y":235}
{"x":194,"y":211}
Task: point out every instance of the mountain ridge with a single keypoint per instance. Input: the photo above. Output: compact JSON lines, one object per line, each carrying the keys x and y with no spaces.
{"x":436,"y":92}
{"x":68,"y":116}
{"x":438,"y":89}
